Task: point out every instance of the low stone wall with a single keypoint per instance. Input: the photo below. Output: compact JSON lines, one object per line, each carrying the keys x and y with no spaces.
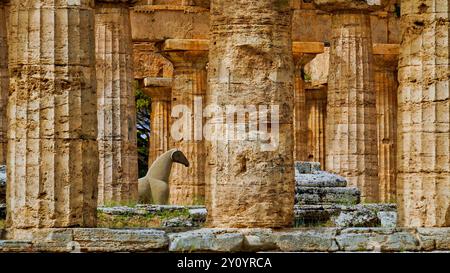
{"x":361,"y":215}
{"x":229,"y":240}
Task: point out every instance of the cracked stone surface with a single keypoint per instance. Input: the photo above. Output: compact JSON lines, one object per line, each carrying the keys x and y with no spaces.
{"x":229,"y":240}
{"x":251,"y":61}
{"x":52,"y":137}
{"x":423,"y":179}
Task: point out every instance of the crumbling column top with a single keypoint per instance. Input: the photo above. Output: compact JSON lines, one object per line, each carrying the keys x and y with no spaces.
{"x":358,"y":5}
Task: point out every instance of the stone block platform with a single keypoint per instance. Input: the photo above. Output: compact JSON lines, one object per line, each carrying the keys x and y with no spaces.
{"x":314,"y":186}
{"x":229,"y":240}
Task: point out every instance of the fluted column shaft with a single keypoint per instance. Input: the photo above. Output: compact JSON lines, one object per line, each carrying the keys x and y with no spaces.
{"x":351,"y":120}
{"x":386,"y":95}
{"x":52,"y":123}
{"x":251,"y":64}
{"x":300,"y":114}
{"x":187,"y":185}
{"x":4,"y":80}
{"x":316,"y":108}
{"x":423,"y":181}
{"x":159,"y":121}
{"x":117,"y":180}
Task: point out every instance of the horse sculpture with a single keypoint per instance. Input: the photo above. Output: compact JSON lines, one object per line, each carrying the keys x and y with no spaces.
{"x":154,"y":187}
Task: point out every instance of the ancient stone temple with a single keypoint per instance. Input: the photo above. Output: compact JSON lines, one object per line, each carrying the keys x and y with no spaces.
{"x":116,"y":111}
{"x":292,"y":114}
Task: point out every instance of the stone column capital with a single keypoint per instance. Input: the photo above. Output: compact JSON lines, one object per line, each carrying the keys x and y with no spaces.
{"x":302,"y":59}
{"x":187,"y":58}
{"x":158,"y":93}
{"x":350,"y":5}
{"x":385,"y":62}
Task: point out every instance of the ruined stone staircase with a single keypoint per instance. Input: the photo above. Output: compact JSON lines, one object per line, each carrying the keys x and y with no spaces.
{"x":323,"y":199}
{"x":314,"y":186}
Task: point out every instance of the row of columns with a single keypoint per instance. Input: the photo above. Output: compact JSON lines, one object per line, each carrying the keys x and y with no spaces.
{"x":70,"y":78}
{"x":52,"y":152}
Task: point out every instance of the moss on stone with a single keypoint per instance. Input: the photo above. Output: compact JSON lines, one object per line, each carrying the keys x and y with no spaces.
{"x":150,"y":220}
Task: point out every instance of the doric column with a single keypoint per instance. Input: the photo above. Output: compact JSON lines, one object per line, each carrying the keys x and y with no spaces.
{"x":423,"y":180}
{"x":52,"y":123}
{"x":351,"y":106}
{"x":187,"y":185}
{"x":386,"y":98}
{"x":4,"y":79}
{"x":300,"y":114}
{"x":252,"y":182}
{"x":159,"y":90}
{"x":117,"y":180}
{"x":316,"y":109}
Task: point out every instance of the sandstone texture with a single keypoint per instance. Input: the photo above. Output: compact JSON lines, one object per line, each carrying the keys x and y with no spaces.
{"x":52,"y":155}
{"x":251,"y":62}
{"x":351,"y":100}
{"x":230,"y":240}
{"x":360,"y":215}
{"x":386,"y":97}
{"x":423,"y":179}
{"x":300,"y":114}
{"x":116,"y":110}
{"x":316,"y":105}
{"x":159,"y":119}
{"x":313,"y":186}
{"x":4,"y":80}
{"x":187,"y":185}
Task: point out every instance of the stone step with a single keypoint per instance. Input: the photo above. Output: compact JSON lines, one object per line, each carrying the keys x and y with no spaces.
{"x":320,"y":179}
{"x":361,"y":215}
{"x":320,"y":195}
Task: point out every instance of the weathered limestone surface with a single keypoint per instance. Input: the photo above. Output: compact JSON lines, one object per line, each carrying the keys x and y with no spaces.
{"x":316,"y":105}
{"x":85,"y":240}
{"x":52,"y":123}
{"x":314,"y":186}
{"x":300,"y":114}
{"x":148,"y":63}
{"x":351,"y":109}
{"x":251,"y":62}
{"x":187,"y":185}
{"x":360,"y":215}
{"x":116,"y":110}
{"x":424,"y":115}
{"x":4,"y":79}
{"x":172,"y":21}
{"x":386,"y":96}
{"x":159,"y":142}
